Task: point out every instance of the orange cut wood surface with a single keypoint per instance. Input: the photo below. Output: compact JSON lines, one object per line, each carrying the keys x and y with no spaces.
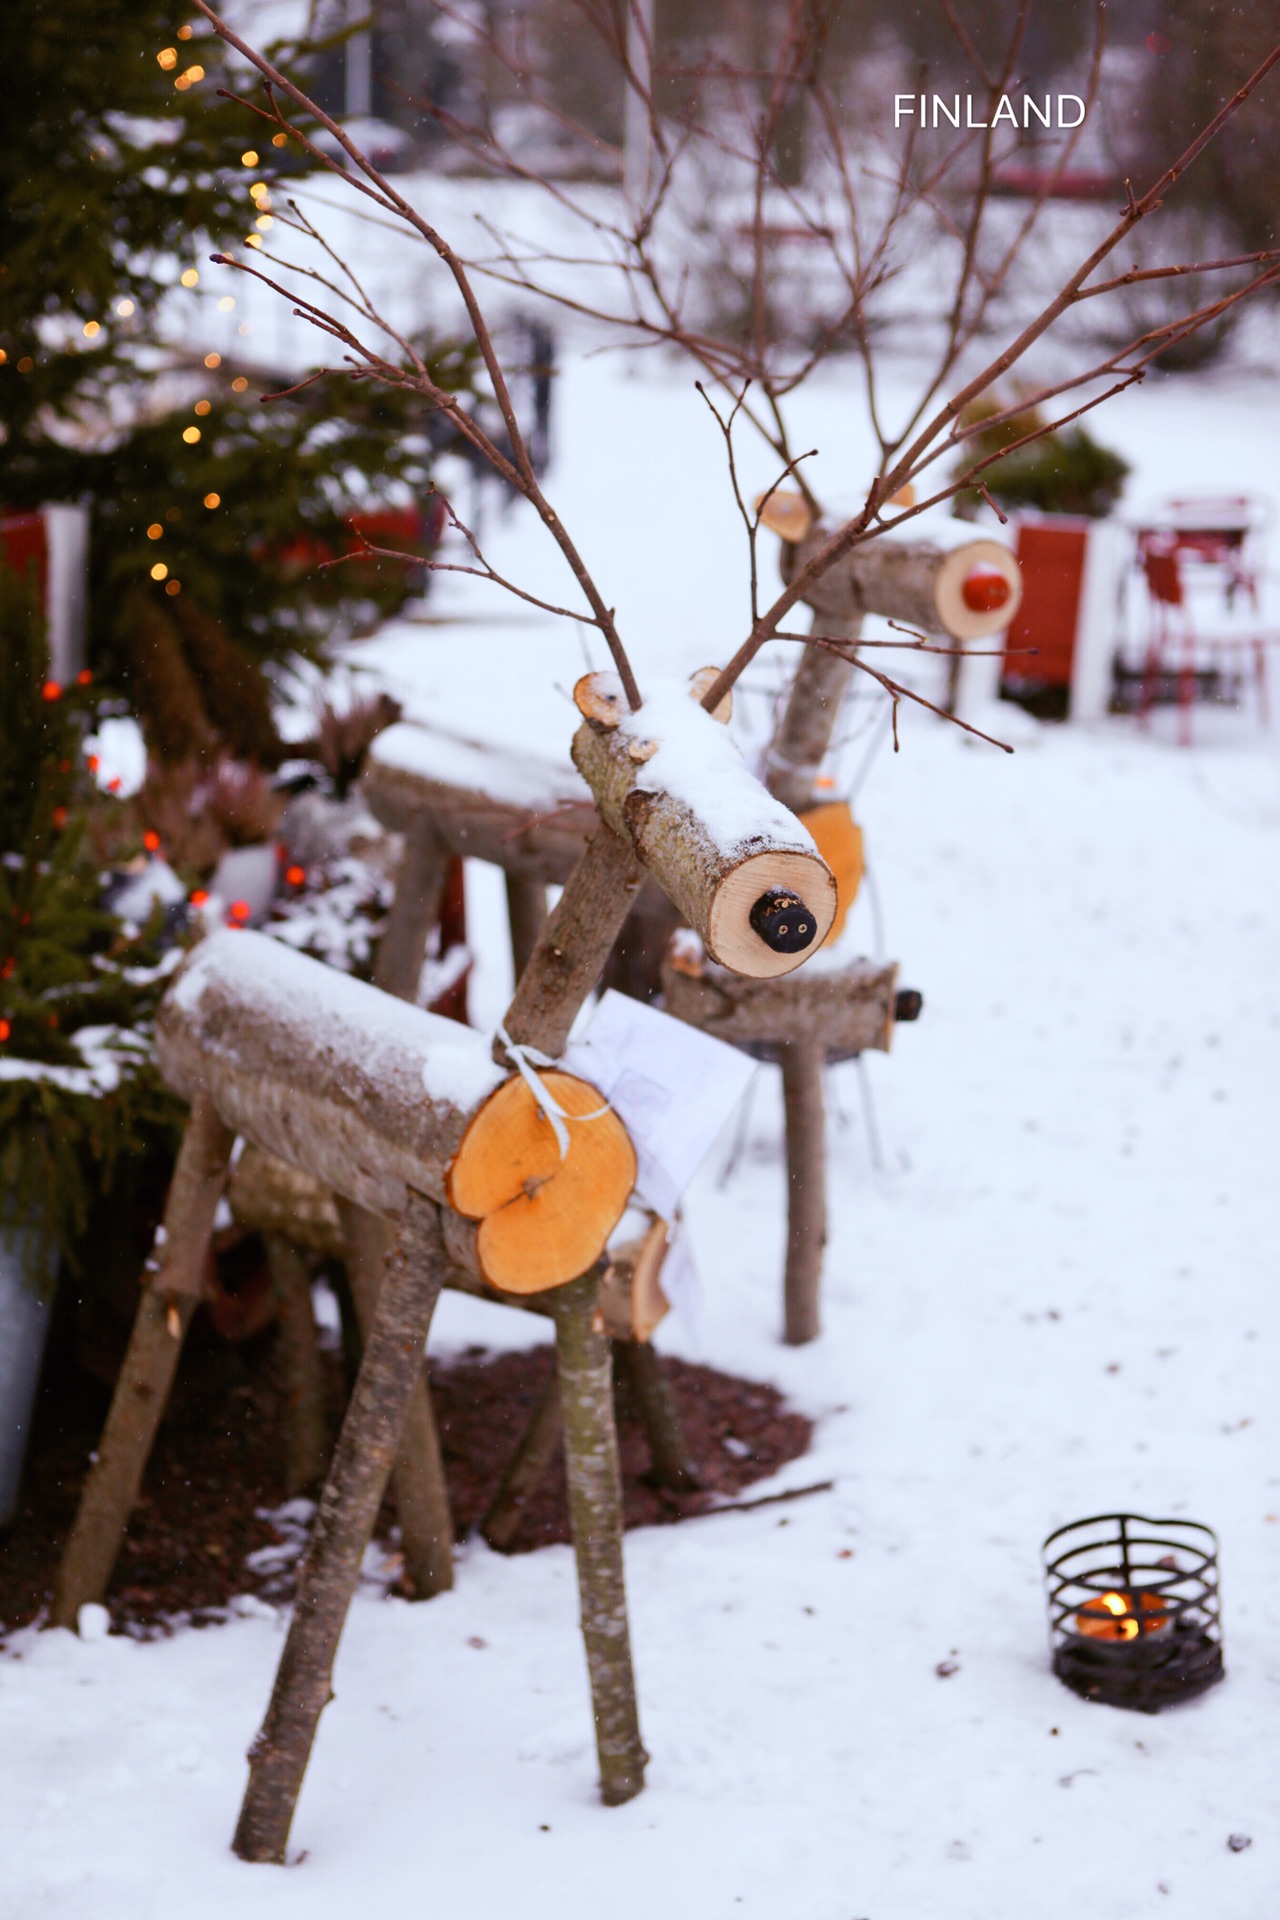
{"x":543,"y":1220}
{"x":838,"y":838}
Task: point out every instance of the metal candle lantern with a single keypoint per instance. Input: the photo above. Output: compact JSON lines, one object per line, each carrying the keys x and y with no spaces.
{"x":1134,"y":1616}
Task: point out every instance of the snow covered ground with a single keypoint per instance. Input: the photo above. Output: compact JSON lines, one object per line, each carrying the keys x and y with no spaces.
{"x":1050,"y":1299}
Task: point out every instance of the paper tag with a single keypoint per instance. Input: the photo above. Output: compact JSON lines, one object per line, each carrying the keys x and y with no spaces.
{"x":672,"y":1087}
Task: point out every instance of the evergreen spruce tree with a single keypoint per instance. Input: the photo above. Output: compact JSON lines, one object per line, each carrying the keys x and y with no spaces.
{"x":120,"y":174}
{"x":77,"y":989}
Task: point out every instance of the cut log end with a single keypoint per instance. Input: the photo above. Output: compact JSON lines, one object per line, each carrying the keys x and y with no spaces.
{"x":543,"y":1219}
{"x":599,"y":698}
{"x":978,"y":590}
{"x":770,"y":911}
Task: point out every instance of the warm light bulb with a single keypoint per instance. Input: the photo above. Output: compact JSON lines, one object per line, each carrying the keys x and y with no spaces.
{"x":193,"y":74}
{"x":159,"y":571}
{"x":124,"y":308}
{"x":279,"y":139}
{"x":191,"y":435}
{"x":155,"y":530}
{"x":240,"y":384}
{"x":226,"y":304}
{"x":213,"y":500}
{"x":190,"y":277}
{"x":264,"y":222}
{"x":91,"y":329}
{"x":173,"y":586}
{"x":168,"y":58}
{"x":249,"y":159}
{"x":253,"y":239}
{"x":185,"y":33}
{"x":202,"y":407}
{"x":213,"y":359}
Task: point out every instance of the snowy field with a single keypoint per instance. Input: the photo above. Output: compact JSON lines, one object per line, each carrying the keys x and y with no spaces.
{"x":1047,"y":1295}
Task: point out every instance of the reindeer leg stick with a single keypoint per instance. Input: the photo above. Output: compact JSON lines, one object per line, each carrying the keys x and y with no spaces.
{"x":527,"y":916}
{"x":417,"y":1478}
{"x":802,"y":1062}
{"x":414,"y":911}
{"x":528,"y":1465}
{"x":801,"y":744}
{"x":306,"y":1438}
{"x":595,"y":1506}
{"x":164,"y":1313}
{"x":366,"y":1450}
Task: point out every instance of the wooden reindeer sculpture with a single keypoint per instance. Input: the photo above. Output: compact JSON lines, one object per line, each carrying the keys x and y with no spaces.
{"x":968,"y":593}
{"x":452,"y":797}
{"x":505,"y":1181}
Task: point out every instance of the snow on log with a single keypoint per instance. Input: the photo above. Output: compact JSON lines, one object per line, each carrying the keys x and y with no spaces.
{"x":527,"y":815}
{"x":845,"y":1009}
{"x":739,"y":866}
{"x":544,"y":1219}
{"x":369,"y":1094}
{"x":969,"y":593}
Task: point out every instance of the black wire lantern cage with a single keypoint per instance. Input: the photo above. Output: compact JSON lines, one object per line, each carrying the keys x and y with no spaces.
{"x":1134,"y":1614}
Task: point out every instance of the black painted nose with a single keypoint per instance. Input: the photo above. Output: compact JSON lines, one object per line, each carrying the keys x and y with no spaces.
{"x":783,"y":921}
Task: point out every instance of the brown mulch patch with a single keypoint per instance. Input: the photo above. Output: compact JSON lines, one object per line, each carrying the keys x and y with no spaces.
{"x":213,"y":1494}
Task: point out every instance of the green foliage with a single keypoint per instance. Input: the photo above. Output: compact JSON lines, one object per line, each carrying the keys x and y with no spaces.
{"x":76,"y":991}
{"x":1062,"y":472}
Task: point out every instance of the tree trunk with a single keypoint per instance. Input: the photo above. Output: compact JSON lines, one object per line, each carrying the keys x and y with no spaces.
{"x":655,"y":1403}
{"x":367,"y":1446}
{"x":527,"y":916}
{"x":528,"y":1467}
{"x":595,"y":1508}
{"x":806,"y":1188}
{"x":306,"y":1430}
{"x":414,"y":911}
{"x":417,"y":1478}
{"x":569,"y":958}
{"x":164,"y":1314}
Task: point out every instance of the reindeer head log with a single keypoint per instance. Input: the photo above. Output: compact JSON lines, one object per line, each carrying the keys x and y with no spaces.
{"x":969,"y":593}
{"x":737,"y":863}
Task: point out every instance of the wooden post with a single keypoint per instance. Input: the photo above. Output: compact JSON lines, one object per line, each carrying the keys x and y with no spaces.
{"x":367,"y":1446}
{"x":417,"y":1478}
{"x":414,"y":911}
{"x":806,"y":1185}
{"x":527,"y":1468}
{"x":527,"y":916}
{"x":306,"y":1435}
{"x":595,"y":1509}
{"x":164,"y":1313}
